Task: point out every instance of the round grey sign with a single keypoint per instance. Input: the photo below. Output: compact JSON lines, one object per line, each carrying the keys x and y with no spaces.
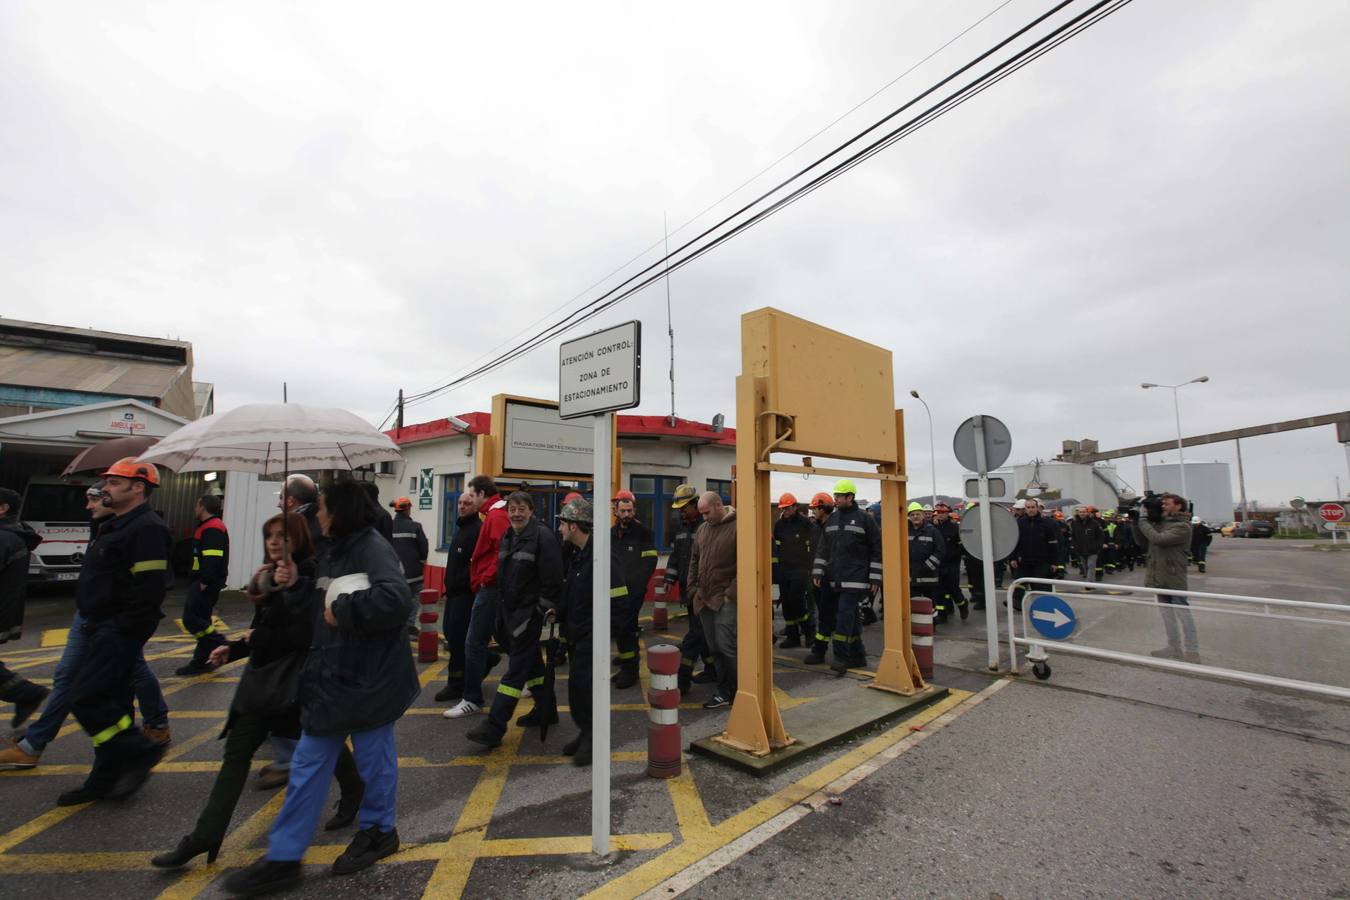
{"x":1003,"y":531}
{"x":997,"y":443}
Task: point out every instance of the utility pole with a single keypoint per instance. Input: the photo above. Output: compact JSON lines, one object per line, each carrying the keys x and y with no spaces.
{"x":399,"y":423}
{"x":1242,"y":481}
{"x":670,"y":327}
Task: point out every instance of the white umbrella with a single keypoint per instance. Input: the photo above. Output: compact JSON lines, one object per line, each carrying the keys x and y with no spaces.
{"x":271,"y":438}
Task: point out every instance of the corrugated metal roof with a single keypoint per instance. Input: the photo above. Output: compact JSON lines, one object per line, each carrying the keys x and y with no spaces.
{"x":53,"y":369}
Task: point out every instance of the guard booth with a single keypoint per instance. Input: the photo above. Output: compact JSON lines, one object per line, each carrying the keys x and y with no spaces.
{"x":844,"y":410}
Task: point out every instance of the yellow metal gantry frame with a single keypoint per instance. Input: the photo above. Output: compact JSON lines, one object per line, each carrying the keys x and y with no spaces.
{"x":807,"y":390}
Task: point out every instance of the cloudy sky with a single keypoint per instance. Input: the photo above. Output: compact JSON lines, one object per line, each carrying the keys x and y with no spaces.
{"x":355,"y":198}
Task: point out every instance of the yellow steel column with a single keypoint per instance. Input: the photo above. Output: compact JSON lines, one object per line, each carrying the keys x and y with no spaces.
{"x":897,"y":671}
{"x":755,"y":725}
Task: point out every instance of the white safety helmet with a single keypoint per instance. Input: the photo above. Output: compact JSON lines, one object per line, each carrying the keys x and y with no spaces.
{"x":1020,"y":504}
{"x":1195,"y":520}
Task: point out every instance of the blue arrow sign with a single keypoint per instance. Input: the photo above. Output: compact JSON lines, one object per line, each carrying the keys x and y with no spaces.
{"x":1052,"y":617}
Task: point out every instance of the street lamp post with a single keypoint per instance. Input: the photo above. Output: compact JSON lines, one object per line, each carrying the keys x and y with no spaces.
{"x":1176,"y":410}
{"x":931,"y":453}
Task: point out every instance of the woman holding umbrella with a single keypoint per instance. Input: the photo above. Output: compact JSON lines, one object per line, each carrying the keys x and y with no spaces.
{"x":276,"y":644}
{"x":358,"y":680}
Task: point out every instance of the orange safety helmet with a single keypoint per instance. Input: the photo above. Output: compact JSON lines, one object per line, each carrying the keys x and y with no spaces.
{"x":786,"y":501}
{"x":1059,"y":514}
{"x":402,"y":503}
{"x":821,"y":499}
{"x":625,"y":495}
{"x":128,"y":467}
{"x":572,"y":495}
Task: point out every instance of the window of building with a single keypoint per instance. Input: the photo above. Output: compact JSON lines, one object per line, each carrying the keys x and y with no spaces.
{"x":722,"y":486}
{"x":451,"y":487}
{"x":654,"y":493}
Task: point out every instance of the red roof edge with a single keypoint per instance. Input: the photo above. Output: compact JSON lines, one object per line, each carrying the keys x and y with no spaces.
{"x":647,"y":426}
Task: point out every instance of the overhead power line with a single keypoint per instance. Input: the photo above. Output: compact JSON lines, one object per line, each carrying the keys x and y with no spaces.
{"x":697,"y":246}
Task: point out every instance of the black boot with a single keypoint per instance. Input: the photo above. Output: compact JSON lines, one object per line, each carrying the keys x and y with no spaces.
{"x":85,"y":793}
{"x":582,"y":757}
{"x":188,"y":848}
{"x":263,"y":877}
{"x":25,"y":696}
{"x":815,"y":657}
{"x":450,"y":692}
{"x":707,"y":676}
{"x":191,"y":669}
{"x":136,"y":771}
{"x":570,"y":748}
{"x":345,"y":810}
{"x":369,"y":846}
{"x":626,"y":677}
{"x":532,"y":719}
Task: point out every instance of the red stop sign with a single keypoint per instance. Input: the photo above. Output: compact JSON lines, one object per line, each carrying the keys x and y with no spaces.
{"x":1331,"y":512}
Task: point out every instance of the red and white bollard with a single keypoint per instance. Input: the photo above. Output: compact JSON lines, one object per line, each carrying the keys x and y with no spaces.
{"x":664,"y":759}
{"x":660,"y":618}
{"x":428,"y":641}
{"x":921,"y":634}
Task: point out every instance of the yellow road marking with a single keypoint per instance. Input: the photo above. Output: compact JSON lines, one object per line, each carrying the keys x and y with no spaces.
{"x":234,"y":851}
{"x":470,"y":831}
{"x":690,"y":813}
{"x":55,"y":637}
{"x":702,"y":842}
{"x":34,"y":827}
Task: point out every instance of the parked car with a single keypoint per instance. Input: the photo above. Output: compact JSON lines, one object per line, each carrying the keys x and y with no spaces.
{"x":1254,"y":528}
{"x":1227,"y":530}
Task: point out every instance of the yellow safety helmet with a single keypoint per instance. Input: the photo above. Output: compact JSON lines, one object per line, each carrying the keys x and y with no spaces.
{"x":845,"y":486}
{"x":683,"y":494}
{"x":914,"y":506}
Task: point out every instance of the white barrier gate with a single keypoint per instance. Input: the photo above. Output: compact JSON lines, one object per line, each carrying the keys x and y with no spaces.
{"x":1255,"y":630}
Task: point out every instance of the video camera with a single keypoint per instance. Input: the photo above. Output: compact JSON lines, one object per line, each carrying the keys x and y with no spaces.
{"x":1152,"y":504}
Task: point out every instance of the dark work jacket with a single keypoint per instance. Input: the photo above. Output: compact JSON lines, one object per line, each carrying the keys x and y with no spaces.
{"x":926,"y":549}
{"x":850,"y":557}
{"x":17,"y":541}
{"x":1088,"y":538}
{"x":283,"y":625}
{"x":457,"y":559}
{"x":126,"y":573}
{"x":410,"y":543}
{"x":635,"y":547}
{"x":384,"y":523}
{"x":529,"y":575}
{"x":311,"y":513}
{"x":791,"y":547}
{"x":210,"y":553}
{"x":359,"y":675}
{"x":577,"y":603}
{"x":677,"y":566}
{"x":951,"y":541}
{"x":1037,"y":541}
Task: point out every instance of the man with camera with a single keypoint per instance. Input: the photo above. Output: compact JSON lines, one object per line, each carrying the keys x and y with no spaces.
{"x":1165,"y":534}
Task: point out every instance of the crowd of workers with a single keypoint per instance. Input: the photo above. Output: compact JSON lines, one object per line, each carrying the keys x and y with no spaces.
{"x":327,"y":650}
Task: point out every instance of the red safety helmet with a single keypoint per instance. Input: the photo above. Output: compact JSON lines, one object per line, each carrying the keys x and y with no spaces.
{"x":786,"y":501}
{"x":402,"y":503}
{"x":625,"y":495}
{"x":572,"y":495}
{"x":128,"y":467}
{"x":942,"y":507}
{"x":821,"y":500}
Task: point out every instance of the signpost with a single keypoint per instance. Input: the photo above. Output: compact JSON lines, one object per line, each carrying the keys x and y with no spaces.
{"x":982,"y":443}
{"x":1052,"y":617}
{"x":597,"y":375}
{"x":1333,"y":515}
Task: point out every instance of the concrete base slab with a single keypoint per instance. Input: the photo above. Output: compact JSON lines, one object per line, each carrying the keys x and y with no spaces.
{"x":822,"y":724}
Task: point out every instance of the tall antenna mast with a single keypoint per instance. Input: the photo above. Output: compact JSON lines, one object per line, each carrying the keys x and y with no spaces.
{"x":670,"y":328}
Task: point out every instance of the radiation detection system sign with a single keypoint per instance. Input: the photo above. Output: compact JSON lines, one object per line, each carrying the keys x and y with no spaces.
{"x":600,"y":372}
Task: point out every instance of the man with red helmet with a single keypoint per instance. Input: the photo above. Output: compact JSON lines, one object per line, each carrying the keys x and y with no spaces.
{"x":634,"y":546}
{"x":120,"y":595}
{"x":792,"y":571}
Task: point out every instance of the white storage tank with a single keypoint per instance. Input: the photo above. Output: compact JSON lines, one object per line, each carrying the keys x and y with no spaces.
{"x":1210,"y":485}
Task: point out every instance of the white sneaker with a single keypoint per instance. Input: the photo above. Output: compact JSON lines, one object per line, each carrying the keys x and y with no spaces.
{"x":461,"y":709}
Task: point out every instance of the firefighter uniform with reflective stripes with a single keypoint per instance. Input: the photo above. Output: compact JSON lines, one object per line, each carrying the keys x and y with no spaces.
{"x":210,"y":563}
{"x":792,"y":574}
{"x":120,"y":595}
{"x":694,"y":646}
{"x":850,"y":562}
{"x":530,"y":577}
{"x":410,"y":543}
{"x":635,"y":548}
{"x":826,"y":605}
{"x":948,"y":597}
{"x":577,"y":604}
{"x":926,"y":552}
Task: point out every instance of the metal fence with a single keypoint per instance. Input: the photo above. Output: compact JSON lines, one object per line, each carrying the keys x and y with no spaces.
{"x":1293,"y":644}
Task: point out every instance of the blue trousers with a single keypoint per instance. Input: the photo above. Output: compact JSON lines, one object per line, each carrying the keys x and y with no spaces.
{"x":154,"y":711}
{"x":482,"y":619}
{"x":312,"y":773}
